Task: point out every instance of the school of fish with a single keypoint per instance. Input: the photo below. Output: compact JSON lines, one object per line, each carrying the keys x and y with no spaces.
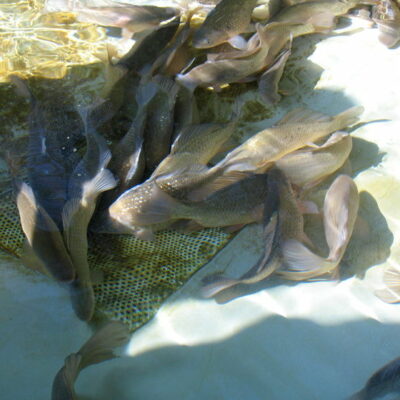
{"x":166,"y":169}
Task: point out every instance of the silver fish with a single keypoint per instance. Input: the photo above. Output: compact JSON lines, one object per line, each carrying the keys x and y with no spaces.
{"x":89,"y":179}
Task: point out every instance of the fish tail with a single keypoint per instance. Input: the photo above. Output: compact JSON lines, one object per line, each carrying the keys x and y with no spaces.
{"x":168,"y":86}
{"x":215,"y":284}
{"x":63,"y":383}
{"x":302,"y":263}
{"x":100,"y":347}
{"x":391,"y":294}
{"x":348,"y":117}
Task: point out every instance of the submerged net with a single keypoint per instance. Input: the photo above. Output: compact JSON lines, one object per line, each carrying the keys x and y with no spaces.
{"x":138,"y":275}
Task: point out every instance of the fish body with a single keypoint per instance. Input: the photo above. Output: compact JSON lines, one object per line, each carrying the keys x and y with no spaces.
{"x":340,"y":212}
{"x":89,"y":179}
{"x":43,"y":235}
{"x":144,"y":53}
{"x":195,"y":144}
{"x":53,"y":135}
{"x":228,"y":19}
{"x":321,"y":14}
{"x":239,"y":203}
{"x":220,"y":72}
{"x":297,"y":129}
{"x":160,"y":123}
{"x":131,"y":17}
{"x":384,"y":381}
{"x":307,"y":167}
{"x":100,"y":347}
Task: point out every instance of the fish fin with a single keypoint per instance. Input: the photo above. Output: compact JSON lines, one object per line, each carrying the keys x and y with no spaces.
{"x":219,"y":183}
{"x":102,"y":182}
{"x":187,"y":226}
{"x":82,"y":298}
{"x":300,"y":114}
{"x":323,"y":22}
{"x":391,"y":277}
{"x":307,"y":207}
{"x":214,"y":284}
{"x":160,"y":209}
{"x":348,"y":117}
{"x":145,"y":93}
{"x":268,"y":81}
{"x":234,"y":228}
{"x":100,"y":347}
{"x":146,"y":234}
{"x":388,"y":295}
{"x":302,"y":263}
{"x":70,"y":208}
{"x":334,"y":138}
{"x":186,"y":81}
{"x":168,"y":86}
{"x":63,"y":383}
{"x":238,"y":42}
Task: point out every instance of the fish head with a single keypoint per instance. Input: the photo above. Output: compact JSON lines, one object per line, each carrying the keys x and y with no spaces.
{"x":206,"y":39}
{"x":119,"y":211}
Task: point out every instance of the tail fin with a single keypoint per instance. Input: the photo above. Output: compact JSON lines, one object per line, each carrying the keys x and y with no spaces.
{"x":302,"y":263}
{"x":216,"y":283}
{"x":348,"y":117}
{"x":100,"y":347}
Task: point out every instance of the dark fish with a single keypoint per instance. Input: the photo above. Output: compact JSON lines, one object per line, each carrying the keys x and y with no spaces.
{"x":228,"y":19}
{"x":384,"y":381}
{"x":100,"y":347}
{"x":144,"y":53}
{"x":160,"y":122}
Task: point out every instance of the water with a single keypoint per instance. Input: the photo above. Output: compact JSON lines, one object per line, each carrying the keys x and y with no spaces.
{"x":289,"y":341}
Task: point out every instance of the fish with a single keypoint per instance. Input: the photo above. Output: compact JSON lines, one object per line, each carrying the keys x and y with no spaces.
{"x":141,"y":57}
{"x":228,"y":19}
{"x":100,"y":347}
{"x":340,"y":212}
{"x":43,"y":236}
{"x":131,"y":18}
{"x":387,"y":17}
{"x":89,"y":179}
{"x":53,"y":137}
{"x":295,"y":130}
{"x":308,"y":167}
{"x":186,"y":111}
{"x":272,"y":38}
{"x":321,"y":14}
{"x":265,"y":10}
{"x":239,"y":203}
{"x":160,"y":122}
{"x":195,"y":144}
{"x":269,"y":261}
{"x":384,"y":381}
{"x":127,"y":161}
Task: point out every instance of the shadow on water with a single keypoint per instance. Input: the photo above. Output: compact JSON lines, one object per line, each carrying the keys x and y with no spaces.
{"x":276,"y":358}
